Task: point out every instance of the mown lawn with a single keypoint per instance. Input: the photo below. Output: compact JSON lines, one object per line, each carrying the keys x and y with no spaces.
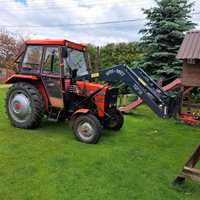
{"x":138,"y":163}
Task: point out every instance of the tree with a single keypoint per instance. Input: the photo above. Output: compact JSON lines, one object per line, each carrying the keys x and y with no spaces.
{"x":91,"y":49}
{"x":114,"y":54}
{"x":120,"y":53}
{"x":163,"y":35}
{"x":10,"y":47}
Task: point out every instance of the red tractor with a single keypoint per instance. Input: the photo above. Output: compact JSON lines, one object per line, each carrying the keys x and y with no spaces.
{"x":52,"y":79}
{"x":46,"y":84}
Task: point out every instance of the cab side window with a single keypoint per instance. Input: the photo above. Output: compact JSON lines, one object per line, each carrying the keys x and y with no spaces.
{"x":32,"y":58}
{"x":51,"y":61}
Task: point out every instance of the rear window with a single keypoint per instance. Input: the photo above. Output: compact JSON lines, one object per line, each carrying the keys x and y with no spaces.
{"x":32,"y":58}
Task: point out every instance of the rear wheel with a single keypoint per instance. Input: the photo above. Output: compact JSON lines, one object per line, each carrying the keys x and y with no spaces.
{"x":24,"y":105}
{"x":114,"y":121}
{"x":87,"y":128}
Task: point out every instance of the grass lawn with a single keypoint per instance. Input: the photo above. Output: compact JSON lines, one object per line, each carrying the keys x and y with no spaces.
{"x":137,"y":163}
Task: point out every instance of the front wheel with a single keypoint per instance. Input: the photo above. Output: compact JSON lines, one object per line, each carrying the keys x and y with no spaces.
{"x":87,"y":128}
{"x":114,"y":121}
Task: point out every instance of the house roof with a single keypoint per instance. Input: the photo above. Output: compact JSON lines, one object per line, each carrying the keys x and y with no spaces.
{"x":190,"y":47}
{"x":56,"y":42}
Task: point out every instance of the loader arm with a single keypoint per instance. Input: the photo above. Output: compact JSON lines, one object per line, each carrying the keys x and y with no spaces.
{"x":141,"y":84}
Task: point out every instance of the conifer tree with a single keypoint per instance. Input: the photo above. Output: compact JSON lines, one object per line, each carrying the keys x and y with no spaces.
{"x":164,"y":31}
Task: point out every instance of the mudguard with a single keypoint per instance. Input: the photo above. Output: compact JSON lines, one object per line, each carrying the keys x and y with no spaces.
{"x":16,"y":77}
{"x":77,"y":113}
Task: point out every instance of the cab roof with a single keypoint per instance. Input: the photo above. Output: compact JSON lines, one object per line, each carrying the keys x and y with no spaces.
{"x":67,"y":43}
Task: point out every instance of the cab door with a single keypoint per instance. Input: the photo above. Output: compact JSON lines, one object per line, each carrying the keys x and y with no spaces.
{"x":51,"y":75}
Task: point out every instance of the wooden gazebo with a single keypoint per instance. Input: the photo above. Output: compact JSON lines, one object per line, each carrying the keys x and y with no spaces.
{"x":189,"y":53}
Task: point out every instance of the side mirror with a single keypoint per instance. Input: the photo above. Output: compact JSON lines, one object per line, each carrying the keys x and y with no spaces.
{"x":64,"y":52}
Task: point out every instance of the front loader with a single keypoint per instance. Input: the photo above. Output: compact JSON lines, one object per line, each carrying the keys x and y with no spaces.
{"x":52,"y":80}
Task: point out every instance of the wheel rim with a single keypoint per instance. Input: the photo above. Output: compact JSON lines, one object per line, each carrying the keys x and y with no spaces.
{"x":86,"y":131}
{"x":20,"y":107}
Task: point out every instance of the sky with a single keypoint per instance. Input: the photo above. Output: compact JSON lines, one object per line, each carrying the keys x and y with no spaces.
{"x":85,"y":21}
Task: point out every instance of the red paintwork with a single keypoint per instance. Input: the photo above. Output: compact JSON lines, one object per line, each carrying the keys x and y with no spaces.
{"x":43,"y":92}
{"x":74,"y":45}
{"x":68,"y":43}
{"x":19,"y":76}
{"x":90,"y":88}
{"x":46,"y":42}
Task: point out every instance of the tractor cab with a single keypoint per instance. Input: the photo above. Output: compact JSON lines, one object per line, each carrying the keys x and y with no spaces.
{"x":54,"y":63}
{"x":52,"y":57}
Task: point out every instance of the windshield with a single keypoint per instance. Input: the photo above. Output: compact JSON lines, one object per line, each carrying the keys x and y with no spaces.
{"x":75,"y":60}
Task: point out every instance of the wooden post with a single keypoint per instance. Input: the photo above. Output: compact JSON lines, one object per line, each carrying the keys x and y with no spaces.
{"x":189,"y":109}
{"x":89,"y":64}
{"x":7,"y":73}
{"x":181,"y":100}
{"x":189,"y":171}
{"x":97,"y":63}
{"x":124,"y":100}
{"x":184,"y":90}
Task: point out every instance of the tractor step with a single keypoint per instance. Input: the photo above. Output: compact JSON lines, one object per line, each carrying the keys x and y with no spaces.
{"x":52,"y":120}
{"x":54,"y":114}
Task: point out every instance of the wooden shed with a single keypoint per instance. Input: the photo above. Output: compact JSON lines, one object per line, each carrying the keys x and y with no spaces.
{"x":189,"y":52}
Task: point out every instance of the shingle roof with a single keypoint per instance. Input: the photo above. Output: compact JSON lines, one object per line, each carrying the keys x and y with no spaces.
{"x":190,"y":47}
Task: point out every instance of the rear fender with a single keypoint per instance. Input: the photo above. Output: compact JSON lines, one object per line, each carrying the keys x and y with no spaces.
{"x":22,"y":78}
{"x":32,"y":80}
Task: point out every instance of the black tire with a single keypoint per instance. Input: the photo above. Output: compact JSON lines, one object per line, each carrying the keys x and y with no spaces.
{"x":115,"y":120}
{"x":94,"y":125}
{"x":35,"y":106}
